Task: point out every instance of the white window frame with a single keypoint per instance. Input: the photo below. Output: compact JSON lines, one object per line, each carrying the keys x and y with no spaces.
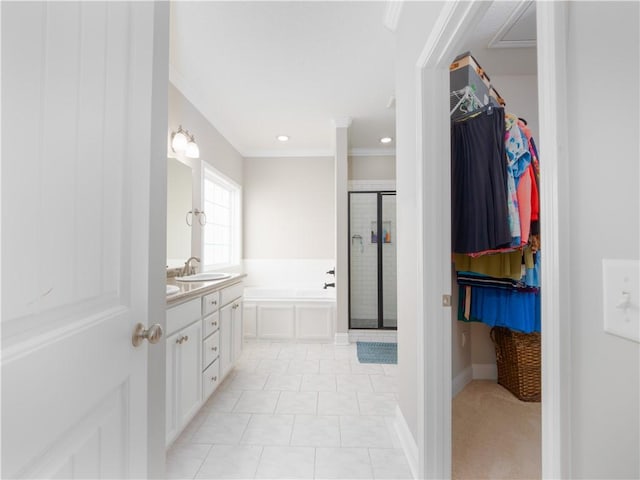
{"x":235,"y":244}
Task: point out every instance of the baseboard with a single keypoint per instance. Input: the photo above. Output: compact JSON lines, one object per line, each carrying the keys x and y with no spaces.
{"x":342,"y":339}
{"x":461,"y":380}
{"x":485,"y":371}
{"x":407,"y":442}
{"x":385,"y":336}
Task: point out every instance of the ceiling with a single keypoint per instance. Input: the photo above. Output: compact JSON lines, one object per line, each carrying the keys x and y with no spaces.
{"x":257,"y":70}
{"x":504,"y":41}
{"x":261,"y":69}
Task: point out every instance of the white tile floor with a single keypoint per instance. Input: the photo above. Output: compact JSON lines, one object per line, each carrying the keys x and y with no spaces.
{"x":295,"y":411}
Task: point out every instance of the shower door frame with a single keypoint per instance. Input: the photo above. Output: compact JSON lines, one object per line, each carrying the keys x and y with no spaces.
{"x":379,"y":194}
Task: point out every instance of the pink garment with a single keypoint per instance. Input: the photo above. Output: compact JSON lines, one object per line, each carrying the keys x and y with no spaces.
{"x":524,"y":205}
{"x":535,"y":199}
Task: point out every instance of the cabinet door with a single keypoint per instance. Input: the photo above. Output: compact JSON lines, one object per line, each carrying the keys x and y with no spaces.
{"x":172,"y":390}
{"x":189,"y":372}
{"x":226,"y":345}
{"x":237,"y":329}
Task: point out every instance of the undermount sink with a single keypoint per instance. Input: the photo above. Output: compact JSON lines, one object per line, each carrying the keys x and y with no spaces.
{"x":203,"y":277}
{"x":171,"y":289}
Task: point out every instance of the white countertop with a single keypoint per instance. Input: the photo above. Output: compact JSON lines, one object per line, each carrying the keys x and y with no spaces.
{"x":193,"y":289}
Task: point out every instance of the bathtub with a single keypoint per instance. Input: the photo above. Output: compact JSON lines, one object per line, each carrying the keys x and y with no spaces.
{"x":289,"y":314}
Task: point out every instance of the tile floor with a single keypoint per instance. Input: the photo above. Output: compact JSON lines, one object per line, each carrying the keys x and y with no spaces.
{"x":295,"y":411}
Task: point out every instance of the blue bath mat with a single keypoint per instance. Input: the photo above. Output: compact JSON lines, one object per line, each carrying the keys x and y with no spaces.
{"x":376,"y":352}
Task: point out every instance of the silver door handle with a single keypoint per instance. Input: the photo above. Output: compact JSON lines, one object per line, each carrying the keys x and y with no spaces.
{"x":152,"y":334}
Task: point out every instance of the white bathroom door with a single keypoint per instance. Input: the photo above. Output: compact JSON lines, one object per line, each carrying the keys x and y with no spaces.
{"x":77,"y":137}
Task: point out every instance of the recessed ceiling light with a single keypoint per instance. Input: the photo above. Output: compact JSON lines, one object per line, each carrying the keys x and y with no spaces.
{"x":283,"y":138}
{"x":386,"y":140}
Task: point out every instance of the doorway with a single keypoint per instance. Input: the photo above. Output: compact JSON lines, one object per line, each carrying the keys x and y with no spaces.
{"x":478,"y":373}
{"x":434,"y":358}
{"x":372,"y":260}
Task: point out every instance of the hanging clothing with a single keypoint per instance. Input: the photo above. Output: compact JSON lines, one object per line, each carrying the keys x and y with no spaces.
{"x":496,"y":307}
{"x":480,"y":216}
{"x":503,"y":265}
{"x":524,"y":205}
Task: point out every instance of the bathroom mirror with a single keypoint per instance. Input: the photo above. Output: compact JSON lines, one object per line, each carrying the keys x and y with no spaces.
{"x":179,"y":203}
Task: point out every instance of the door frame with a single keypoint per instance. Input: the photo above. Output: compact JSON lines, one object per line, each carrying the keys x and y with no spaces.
{"x":434,"y":214}
{"x":157,"y":247}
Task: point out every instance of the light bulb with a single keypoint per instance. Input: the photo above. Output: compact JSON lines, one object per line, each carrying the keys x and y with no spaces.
{"x":192,"y":150}
{"x":179,"y":141}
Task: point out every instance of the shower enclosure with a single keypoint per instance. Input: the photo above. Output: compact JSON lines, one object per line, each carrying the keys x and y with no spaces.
{"x":372,"y":260}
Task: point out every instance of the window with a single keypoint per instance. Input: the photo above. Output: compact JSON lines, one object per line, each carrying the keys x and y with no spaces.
{"x":221,"y":243}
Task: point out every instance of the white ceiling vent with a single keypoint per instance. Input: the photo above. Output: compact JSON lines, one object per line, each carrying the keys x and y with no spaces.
{"x":519,"y":30}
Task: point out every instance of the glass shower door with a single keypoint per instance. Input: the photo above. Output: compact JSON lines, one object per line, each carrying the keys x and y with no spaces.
{"x":372,"y":260}
{"x":388,"y":261}
{"x":363,"y":260}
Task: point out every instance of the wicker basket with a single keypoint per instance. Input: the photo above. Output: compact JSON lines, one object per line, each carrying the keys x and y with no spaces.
{"x":518,"y":359}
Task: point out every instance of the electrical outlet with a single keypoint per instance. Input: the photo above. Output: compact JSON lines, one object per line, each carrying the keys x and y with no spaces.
{"x":621,"y":298}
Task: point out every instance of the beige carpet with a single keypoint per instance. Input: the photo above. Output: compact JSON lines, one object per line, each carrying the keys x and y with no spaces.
{"x":495,"y":435}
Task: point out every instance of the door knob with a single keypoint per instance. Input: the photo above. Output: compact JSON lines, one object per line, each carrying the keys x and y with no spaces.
{"x":152,"y":334}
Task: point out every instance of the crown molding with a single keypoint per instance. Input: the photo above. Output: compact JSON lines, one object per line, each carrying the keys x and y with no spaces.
{"x":341,"y":122}
{"x":317,"y":153}
{"x":372,"y":152}
{"x":392,"y":14}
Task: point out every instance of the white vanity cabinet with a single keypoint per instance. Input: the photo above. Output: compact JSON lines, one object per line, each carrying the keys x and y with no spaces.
{"x":230,"y":327}
{"x":211,"y":375}
{"x":183,"y":363}
{"x":203,"y":342}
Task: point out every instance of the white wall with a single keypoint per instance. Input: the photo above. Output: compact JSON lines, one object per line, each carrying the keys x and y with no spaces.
{"x":415,"y":24}
{"x":214,"y":148}
{"x":521,"y":94}
{"x":289,"y":208}
{"x":372,"y":168}
{"x":603,"y":156}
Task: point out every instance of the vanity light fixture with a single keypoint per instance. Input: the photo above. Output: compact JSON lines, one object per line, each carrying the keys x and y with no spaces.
{"x":386,"y":140}
{"x":192,"y":150}
{"x":283,"y":138}
{"x":179,"y":140}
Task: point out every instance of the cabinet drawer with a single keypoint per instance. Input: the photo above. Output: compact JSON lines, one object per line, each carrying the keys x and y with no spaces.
{"x":231,"y":293}
{"x":182,"y":315}
{"x":211,"y":349}
{"x":211,"y":324}
{"x":210,"y":303}
{"x":210,"y":380}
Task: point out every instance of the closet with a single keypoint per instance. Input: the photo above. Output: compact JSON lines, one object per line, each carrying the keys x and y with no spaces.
{"x":495,"y":249}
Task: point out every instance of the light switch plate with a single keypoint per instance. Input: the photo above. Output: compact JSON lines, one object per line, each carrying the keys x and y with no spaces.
{"x":621,"y":298}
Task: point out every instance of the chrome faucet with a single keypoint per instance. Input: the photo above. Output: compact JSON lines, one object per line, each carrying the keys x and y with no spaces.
{"x":189,"y":269}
